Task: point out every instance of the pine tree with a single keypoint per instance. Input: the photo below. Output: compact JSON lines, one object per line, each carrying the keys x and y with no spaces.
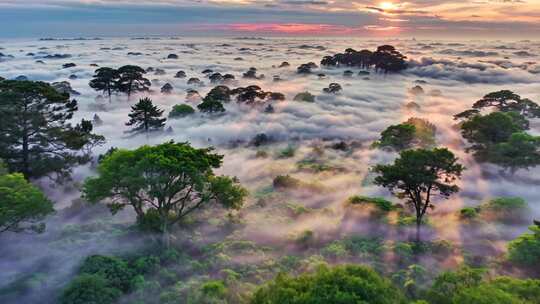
{"x":131,"y":80}
{"x":36,"y":138}
{"x":105,"y":80}
{"x":145,"y":116}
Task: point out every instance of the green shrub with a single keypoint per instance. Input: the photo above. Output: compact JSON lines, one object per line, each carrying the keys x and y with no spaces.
{"x":146,"y":264}
{"x":379,"y":202}
{"x":485,"y":294}
{"x":339,"y":285}
{"x":181,"y":110}
{"x":359,"y":245}
{"x":286,"y":182}
{"x":90,"y":289}
{"x":397,"y":137}
{"x":506,"y":209}
{"x":506,"y":204}
{"x":214,"y":289}
{"x":335,"y":250}
{"x":448,"y":283}
{"x":297,"y":209}
{"x":468,"y":213}
{"x":305,"y":238}
{"x":116,"y":271}
{"x":150,"y":221}
{"x":288,"y":152}
{"x":304,"y":96}
{"x":525,"y":250}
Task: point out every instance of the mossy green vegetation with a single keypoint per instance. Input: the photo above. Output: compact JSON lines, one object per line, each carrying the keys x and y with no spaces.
{"x":181,"y":110}
{"x":378,"y":202}
{"x":525,"y":250}
{"x":341,"y":284}
{"x":415,"y":132}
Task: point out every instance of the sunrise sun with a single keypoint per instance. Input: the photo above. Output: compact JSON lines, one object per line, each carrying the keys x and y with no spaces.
{"x":387,"y":5}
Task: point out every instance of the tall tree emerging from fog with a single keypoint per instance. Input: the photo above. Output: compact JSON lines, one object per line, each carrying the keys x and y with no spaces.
{"x":145,"y":116}
{"x":163,"y":184}
{"x":22,"y":205}
{"x":36,"y":138}
{"x":417,"y":175}
{"x":131,"y":80}
{"x":105,"y":80}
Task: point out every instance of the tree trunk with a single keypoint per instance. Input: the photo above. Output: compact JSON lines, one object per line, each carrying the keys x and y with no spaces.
{"x":418,"y":225}
{"x":25,"y":157}
{"x":166,"y":237}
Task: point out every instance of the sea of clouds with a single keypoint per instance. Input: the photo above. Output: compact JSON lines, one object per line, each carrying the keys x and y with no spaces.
{"x":452,"y":74}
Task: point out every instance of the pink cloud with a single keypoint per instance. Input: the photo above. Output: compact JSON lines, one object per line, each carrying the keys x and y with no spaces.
{"x":298,"y":28}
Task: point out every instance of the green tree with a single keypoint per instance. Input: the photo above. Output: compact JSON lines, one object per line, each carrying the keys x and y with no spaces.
{"x":36,"y":138}
{"x":131,"y":80}
{"x":397,"y":137}
{"x":90,"y":289}
{"x":339,"y":285}
{"x":501,"y":290}
{"x":105,"y":80}
{"x":525,"y":250}
{"x":145,"y":116}
{"x":220,"y":93}
{"x":449,"y":283}
{"x":210,"y":106}
{"x":181,"y":110}
{"x":417,"y":175}
{"x":168,"y":181}
{"x":522,"y":150}
{"x":22,"y":205}
{"x":117,"y":271}
{"x":508,"y":101}
{"x":484,"y":131}
{"x":499,"y":138}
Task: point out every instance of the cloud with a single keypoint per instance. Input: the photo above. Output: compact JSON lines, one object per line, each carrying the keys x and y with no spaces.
{"x":426,"y":17}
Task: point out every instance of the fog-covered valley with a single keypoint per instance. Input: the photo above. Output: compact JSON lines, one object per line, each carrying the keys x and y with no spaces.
{"x":301,"y":161}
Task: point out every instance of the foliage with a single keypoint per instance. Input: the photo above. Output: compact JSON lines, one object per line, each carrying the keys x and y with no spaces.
{"x":90,"y":289}
{"x":525,"y":250}
{"x":379,"y":202}
{"x":499,"y":136}
{"x":288,"y":152}
{"x":145,"y":116}
{"x":339,"y":285}
{"x":424,"y":134}
{"x":181,"y":110}
{"x":333,"y":88}
{"x":448,"y":283}
{"x":104,"y":80}
{"x":304,"y":96}
{"x":494,"y":128}
{"x":414,"y":132}
{"x":417,"y":175}
{"x":468,"y":213}
{"x":211,"y":106}
{"x":397,"y":137}
{"x":286,"y":182}
{"x":508,"y":101}
{"x":522,"y":150}
{"x":22,"y":205}
{"x":502,"y":290}
{"x":115,"y":270}
{"x":36,"y":138}
{"x":173,"y":179}
{"x":506,"y":204}
{"x":131,"y":80}
{"x":411,"y":279}
{"x":386,"y":59}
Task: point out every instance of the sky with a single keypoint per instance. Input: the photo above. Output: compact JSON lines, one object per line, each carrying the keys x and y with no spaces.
{"x":360,"y":18}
